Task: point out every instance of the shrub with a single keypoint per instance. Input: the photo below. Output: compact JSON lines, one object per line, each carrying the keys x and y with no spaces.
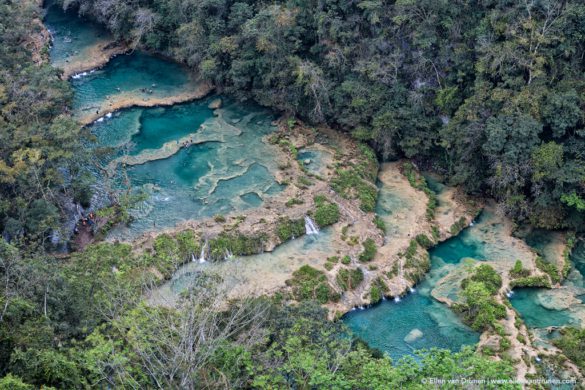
{"x":411,"y":250}
{"x":571,"y":343}
{"x":349,"y":279}
{"x":345,"y":260}
{"x":369,"y":251}
{"x":548,"y":268}
{"x":326,"y":213}
{"x":287,"y":228}
{"x":309,"y":283}
{"x":393,"y":272}
{"x":518,"y":271}
{"x":435,"y":232}
{"x":458,"y":226}
{"x":350,"y":185}
{"x":480,"y":309}
{"x":304,"y":182}
{"x":293,"y":201}
{"x":377,"y":290}
{"x":531,"y":281}
{"x":485,"y":274}
{"x":219,"y":218}
{"x":424,"y":241}
{"x":188,"y":243}
{"x":236,"y":244}
{"x":379,"y":222}
{"x":418,"y":267}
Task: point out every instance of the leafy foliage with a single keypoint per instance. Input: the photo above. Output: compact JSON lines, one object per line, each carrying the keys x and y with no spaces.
{"x":287,"y":228}
{"x":41,"y":156}
{"x":309,"y":283}
{"x":369,"y":251}
{"x":480,"y":309}
{"x":518,"y":271}
{"x":326,"y":212}
{"x":572,"y":343}
{"x":349,"y":279}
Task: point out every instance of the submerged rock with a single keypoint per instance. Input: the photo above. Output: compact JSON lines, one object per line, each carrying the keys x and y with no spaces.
{"x":558,"y":299}
{"x":307,"y":161}
{"x":215,"y":104}
{"x":413,"y":335}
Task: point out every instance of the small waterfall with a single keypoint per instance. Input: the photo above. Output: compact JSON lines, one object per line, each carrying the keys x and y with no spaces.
{"x":202,"y":255}
{"x":193,"y":257}
{"x":396,"y":299}
{"x":228,"y":255}
{"x":412,"y":290}
{"x":310,"y":227}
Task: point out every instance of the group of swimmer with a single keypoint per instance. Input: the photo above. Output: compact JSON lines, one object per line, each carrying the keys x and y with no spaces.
{"x":148,"y":90}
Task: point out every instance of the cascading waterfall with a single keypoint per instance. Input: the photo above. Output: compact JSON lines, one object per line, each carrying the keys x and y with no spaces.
{"x":397,"y":298}
{"x":310,"y":227}
{"x":202,"y":255}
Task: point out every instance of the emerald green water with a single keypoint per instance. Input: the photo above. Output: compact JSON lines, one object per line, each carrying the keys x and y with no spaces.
{"x":391,"y":326}
{"x":72,"y":35}
{"x":526,"y":302}
{"x":542,"y":308}
{"x":149,"y":128}
{"x":386,"y":326}
{"x":229,"y":170}
{"x":227,"y":167}
{"x":135,"y":75}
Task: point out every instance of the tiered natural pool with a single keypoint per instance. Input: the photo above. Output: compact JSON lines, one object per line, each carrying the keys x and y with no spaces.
{"x":193,"y":162}
{"x":543,"y":308}
{"x":225,"y":165}
{"x":418,"y":320}
{"x":186,"y":160}
{"x":137,"y":76}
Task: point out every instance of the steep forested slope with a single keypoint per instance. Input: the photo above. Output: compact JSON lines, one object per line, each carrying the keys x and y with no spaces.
{"x":40,"y":153}
{"x":490,"y":92}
